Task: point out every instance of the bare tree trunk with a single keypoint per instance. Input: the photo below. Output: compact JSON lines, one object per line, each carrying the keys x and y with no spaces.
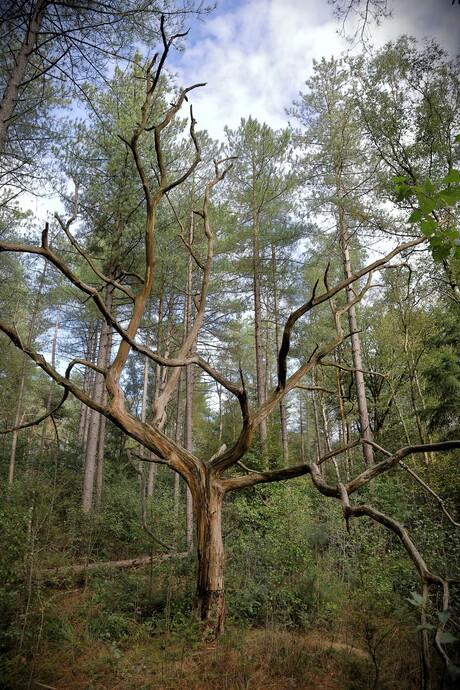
{"x":94,"y":427}
{"x":17,"y":419}
{"x":88,"y":382}
{"x":53,"y":384}
{"x":316,"y":417}
{"x":343,"y":421}
{"x":102,"y":427}
{"x":326,"y":437}
{"x":152,"y":467}
{"x":10,"y":95}
{"x":283,"y":415}
{"x":302,"y":431}
{"x":210,"y":593}
{"x":260,"y":374}
{"x":363,"y":413}
{"x":189,"y":378}
{"x":178,"y":436}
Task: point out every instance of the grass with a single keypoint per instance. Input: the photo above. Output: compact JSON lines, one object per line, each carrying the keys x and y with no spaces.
{"x":84,"y":647}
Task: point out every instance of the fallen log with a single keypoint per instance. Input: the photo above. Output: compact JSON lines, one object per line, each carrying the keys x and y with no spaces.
{"x":138,"y":562}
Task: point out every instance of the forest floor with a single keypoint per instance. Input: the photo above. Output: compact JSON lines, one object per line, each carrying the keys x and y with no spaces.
{"x":263,"y":660}
{"x":70,"y":657}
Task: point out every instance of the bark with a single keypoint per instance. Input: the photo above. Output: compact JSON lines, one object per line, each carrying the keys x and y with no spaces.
{"x":210,"y":593}
{"x":283,"y":416}
{"x":53,"y":383}
{"x":100,"y":455}
{"x":302,"y":433}
{"x":189,"y":378}
{"x":17,"y":419}
{"x":178,"y":435}
{"x":343,"y":422}
{"x":11,"y":93}
{"x":319,"y":451}
{"x":96,"y":431}
{"x":152,"y":467}
{"x":30,"y":335}
{"x":138,"y":562}
{"x":260,"y":370}
{"x":363,"y":412}
{"x":88,"y":382}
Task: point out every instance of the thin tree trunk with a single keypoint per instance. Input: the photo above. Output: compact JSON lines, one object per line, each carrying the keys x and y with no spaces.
{"x":302,"y":432}
{"x":260,"y":378}
{"x":326,"y":438}
{"x":415,"y":390}
{"x":363,"y":413}
{"x":17,"y":419}
{"x":178,"y":434}
{"x":94,"y":426}
{"x":11,"y":93}
{"x":283,"y":415}
{"x":189,"y":379}
{"x":88,"y":382}
{"x":316,"y":417}
{"x":102,"y":428}
{"x":152,"y":467}
{"x":53,"y":384}
{"x":343,"y":422}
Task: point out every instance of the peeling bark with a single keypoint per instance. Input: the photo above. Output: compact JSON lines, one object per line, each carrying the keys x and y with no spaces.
{"x":210,"y":593}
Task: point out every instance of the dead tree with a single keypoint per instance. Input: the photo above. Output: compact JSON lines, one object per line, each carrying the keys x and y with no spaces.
{"x":211,"y":479}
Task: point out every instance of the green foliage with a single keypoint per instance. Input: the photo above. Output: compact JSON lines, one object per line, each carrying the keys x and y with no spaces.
{"x":434,"y":212}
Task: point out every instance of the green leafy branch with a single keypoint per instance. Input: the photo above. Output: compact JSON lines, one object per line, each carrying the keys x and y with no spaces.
{"x":435,"y":212}
{"x":442,"y":637}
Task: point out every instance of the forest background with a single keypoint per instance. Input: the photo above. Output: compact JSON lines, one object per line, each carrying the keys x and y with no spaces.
{"x":261,"y":326}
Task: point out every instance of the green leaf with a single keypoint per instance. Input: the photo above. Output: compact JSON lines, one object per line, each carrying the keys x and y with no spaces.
{"x":453,"y":671}
{"x":428,"y":187}
{"x":452,"y":235}
{"x":415,"y":217}
{"x":450,"y":196}
{"x":415,"y":599}
{"x":447,"y":638}
{"x":427,"y":204}
{"x":428,"y":226}
{"x":444,"y":615}
{"x":453,"y":176}
{"x":426,"y":626}
{"x":440,"y":252}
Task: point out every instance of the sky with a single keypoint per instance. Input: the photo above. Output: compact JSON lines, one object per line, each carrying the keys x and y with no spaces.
{"x":255,"y":55}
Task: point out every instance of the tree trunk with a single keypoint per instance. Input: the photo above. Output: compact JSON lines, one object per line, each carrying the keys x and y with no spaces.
{"x":260,"y":374}
{"x":88,"y":383}
{"x":10,"y":95}
{"x":17,"y":419}
{"x":318,"y":433}
{"x":210,"y":594}
{"x":30,"y":336}
{"x":96,"y":434}
{"x":363,"y":413}
{"x":283,"y":415}
{"x":189,"y":384}
{"x":52,"y":386}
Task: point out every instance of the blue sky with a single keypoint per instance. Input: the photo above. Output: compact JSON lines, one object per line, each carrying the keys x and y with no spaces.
{"x":255,"y":55}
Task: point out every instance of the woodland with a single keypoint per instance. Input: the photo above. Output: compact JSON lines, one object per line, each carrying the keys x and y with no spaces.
{"x":229,"y":370}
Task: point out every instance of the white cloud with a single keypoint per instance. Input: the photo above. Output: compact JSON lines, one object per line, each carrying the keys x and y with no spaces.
{"x":255,"y":59}
{"x":255,"y":55}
